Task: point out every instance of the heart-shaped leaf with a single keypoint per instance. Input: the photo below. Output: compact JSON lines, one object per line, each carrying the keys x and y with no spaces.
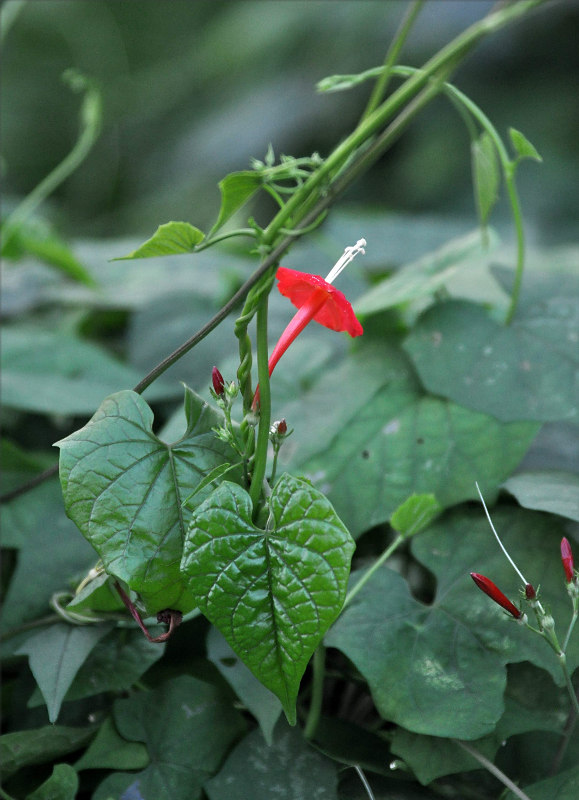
{"x":125,"y":488}
{"x":385,"y":441}
{"x":439,"y":669}
{"x":272,"y":593}
{"x":526,"y":371}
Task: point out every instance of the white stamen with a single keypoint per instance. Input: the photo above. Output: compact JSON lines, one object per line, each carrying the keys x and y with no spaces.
{"x":349,"y":254}
{"x":503,"y":548}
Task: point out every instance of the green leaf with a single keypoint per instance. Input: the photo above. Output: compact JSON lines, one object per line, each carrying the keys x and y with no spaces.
{"x":532,"y":703}
{"x":186,"y":726}
{"x":99,"y":594}
{"x":109,"y":750}
{"x":564,"y":786}
{"x":272,"y":593}
{"x":45,"y":562}
{"x":236,"y":189}
{"x":40,"y":745}
{"x":547,"y":490}
{"x":384,"y":441}
{"x":52,"y":372}
{"x":55,"y":656}
{"x":264,"y":705}
{"x":486,"y":175}
{"x":415,"y":514}
{"x":172,"y":238}
{"x":523,"y":146}
{"x":62,"y":785}
{"x":440,"y":669}
{"x":114,"y":665}
{"x":423,"y":277}
{"x":526,"y":371}
{"x":290,"y":765}
{"x":124,"y":488}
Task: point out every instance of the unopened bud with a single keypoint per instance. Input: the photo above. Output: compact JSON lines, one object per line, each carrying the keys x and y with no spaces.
{"x":493,"y":591}
{"x":282,"y":427}
{"x":530,"y":592}
{"x":218,"y":382}
{"x":567,"y":559}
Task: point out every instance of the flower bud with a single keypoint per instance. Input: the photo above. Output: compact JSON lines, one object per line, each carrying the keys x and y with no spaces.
{"x":218,"y":382}
{"x":493,"y":591}
{"x":567,"y":559}
{"x":530,"y":592}
{"x":282,"y":427}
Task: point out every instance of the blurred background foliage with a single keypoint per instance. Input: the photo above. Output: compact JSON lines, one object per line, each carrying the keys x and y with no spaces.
{"x":193,"y":90}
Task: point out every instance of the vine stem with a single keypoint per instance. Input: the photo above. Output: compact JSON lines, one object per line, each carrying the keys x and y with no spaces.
{"x":315,"y":710}
{"x":371,"y":570}
{"x":401,"y":35}
{"x":364,"y":780}
{"x":488,"y":765}
{"x":260,"y":457}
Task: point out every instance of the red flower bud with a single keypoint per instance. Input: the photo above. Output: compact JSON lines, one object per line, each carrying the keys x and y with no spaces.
{"x":567,"y":559}
{"x":218,"y":382}
{"x":493,"y":591}
{"x":282,"y":427}
{"x":530,"y":592}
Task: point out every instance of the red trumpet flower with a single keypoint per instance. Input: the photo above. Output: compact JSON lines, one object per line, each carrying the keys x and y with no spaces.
{"x":493,"y":591}
{"x":316,"y":299}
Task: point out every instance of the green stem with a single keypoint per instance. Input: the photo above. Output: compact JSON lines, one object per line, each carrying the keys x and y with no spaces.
{"x":315,"y":710}
{"x":490,"y":767}
{"x":381,"y":84}
{"x":260,"y":457}
{"x":569,"y":683}
{"x":375,"y":566}
{"x":365,"y":783}
{"x":222,"y":236}
{"x":91,"y":114}
{"x":570,"y":629}
{"x":28,"y":626}
{"x":446,"y":58}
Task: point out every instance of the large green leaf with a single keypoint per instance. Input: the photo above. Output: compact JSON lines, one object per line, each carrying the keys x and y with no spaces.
{"x":564,"y":786}
{"x":547,"y":490}
{"x":40,"y":745}
{"x":172,"y":238}
{"x":55,"y":656}
{"x":113,"y":665}
{"x":53,"y":372}
{"x":187,"y":727}
{"x":125,"y":488}
{"x":526,"y":371}
{"x":51,"y":552}
{"x":423,"y":277}
{"x":440,"y":669}
{"x":62,"y":785}
{"x":289,"y":769}
{"x":532,"y":703}
{"x":384,"y":441}
{"x":108,"y":750}
{"x":272,"y":593}
{"x":264,"y":705}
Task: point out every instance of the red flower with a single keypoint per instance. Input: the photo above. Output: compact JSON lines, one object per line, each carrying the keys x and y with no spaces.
{"x":316,"y":299}
{"x":493,"y":591}
{"x":567,"y":559}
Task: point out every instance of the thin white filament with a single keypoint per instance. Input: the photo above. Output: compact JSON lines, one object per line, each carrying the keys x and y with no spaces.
{"x":503,"y":548}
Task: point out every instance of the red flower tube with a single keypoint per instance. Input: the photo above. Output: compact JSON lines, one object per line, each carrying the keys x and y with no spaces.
{"x":493,"y":591}
{"x":567,"y":559}
{"x":316,"y":299}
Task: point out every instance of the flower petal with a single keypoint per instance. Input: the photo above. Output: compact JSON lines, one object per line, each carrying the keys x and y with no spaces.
{"x":336,"y":313}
